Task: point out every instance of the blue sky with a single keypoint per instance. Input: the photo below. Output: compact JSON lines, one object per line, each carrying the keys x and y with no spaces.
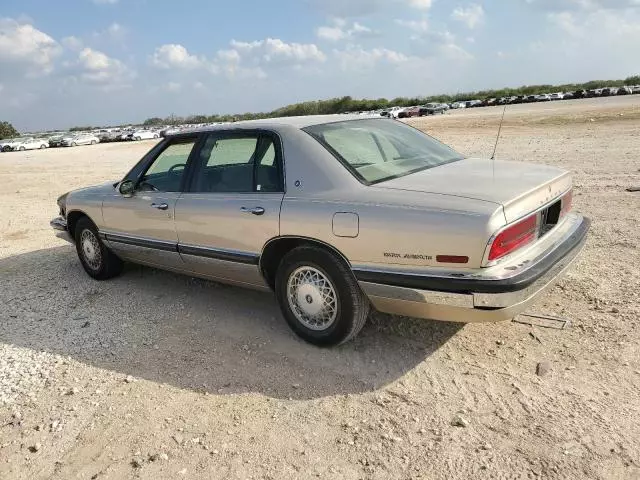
{"x":112,"y":61}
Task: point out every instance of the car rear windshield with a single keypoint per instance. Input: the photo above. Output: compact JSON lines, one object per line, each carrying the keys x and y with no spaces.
{"x":375,"y":150}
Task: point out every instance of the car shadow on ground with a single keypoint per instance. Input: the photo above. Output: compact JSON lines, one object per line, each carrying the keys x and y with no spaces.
{"x":195,"y":334}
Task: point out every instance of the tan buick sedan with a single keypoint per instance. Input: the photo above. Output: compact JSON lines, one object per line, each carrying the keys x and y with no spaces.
{"x":335,"y":214}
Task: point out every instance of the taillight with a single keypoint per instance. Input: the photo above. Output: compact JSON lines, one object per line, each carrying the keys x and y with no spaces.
{"x":514,"y":237}
{"x":567,"y":201}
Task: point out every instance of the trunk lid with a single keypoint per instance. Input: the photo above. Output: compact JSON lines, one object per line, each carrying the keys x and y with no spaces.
{"x":520,"y":188}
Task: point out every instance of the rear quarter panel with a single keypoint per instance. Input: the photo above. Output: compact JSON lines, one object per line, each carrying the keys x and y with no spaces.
{"x":399,"y":235}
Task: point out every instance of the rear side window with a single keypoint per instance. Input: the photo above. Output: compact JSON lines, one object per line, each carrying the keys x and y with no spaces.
{"x":232,"y":151}
{"x":239,"y":163}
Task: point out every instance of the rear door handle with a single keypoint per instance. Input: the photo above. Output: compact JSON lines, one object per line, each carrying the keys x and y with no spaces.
{"x":160,"y":206}
{"x":254,"y":210}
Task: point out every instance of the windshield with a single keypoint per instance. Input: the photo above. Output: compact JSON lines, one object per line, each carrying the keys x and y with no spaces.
{"x":375,"y":150}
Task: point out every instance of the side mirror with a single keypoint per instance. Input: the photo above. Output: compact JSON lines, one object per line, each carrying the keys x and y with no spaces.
{"x":126,"y":188}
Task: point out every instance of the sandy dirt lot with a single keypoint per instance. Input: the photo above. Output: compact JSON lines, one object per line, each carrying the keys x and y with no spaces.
{"x":154,"y":375}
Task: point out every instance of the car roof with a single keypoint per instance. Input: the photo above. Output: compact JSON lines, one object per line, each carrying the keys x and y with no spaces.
{"x":275,"y":123}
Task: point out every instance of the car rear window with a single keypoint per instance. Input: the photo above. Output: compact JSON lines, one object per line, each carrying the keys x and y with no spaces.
{"x":376,"y":150}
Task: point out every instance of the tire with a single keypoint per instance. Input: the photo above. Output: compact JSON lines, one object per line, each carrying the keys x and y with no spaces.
{"x":156,"y":136}
{"x":21,"y":149}
{"x":42,"y":146}
{"x":137,"y":139}
{"x":93,"y":142}
{"x":97,"y":260}
{"x":74,"y":144}
{"x":351,"y":306}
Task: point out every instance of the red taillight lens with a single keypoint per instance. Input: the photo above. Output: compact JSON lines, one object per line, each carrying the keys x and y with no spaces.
{"x":514,"y":237}
{"x":567,"y":201}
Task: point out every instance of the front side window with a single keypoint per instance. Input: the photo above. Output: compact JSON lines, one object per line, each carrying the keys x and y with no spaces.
{"x":238,"y":164}
{"x":166,"y":171}
{"x":378,"y":150}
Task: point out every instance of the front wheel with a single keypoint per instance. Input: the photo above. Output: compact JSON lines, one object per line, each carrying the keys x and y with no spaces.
{"x":93,"y":142}
{"x":73,"y":144}
{"x":97,"y":260}
{"x":137,"y":139}
{"x":22,"y":149}
{"x":319,"y":297}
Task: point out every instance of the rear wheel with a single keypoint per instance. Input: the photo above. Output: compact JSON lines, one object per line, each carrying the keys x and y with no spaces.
{"x":319,"y":297}
{"x":137,"y":139}
{"x":97,"y":260}
{"x":93,"y":142}
{"x":22,"y":149}
{"x":73,"y":144}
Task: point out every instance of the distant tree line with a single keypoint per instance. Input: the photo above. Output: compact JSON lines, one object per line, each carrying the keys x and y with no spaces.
{"x":7,"y":131}
{"x":349,"y":104}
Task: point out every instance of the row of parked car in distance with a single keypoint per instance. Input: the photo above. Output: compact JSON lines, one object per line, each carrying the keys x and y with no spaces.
{"x":64,"y":139}
{"x":441,"y":108}
{"x":548,"y":97}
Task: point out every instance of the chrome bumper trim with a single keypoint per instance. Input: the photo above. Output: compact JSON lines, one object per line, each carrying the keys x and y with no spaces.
{"x":59,"y":223}
{"x":469,"y":306}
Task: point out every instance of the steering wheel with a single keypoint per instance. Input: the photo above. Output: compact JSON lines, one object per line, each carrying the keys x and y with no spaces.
{"x":175,"y":167}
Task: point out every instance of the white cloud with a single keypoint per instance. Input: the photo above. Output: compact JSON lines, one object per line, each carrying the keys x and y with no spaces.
{"x":116,"y":31}
{"x":99,"y":68}
{"x":361,"y":8}
{"x":421,"y":4}
{"x":415,"y":25}
{"x":229,"y":56}
{"x":340,"y":31}
{"x":440,"y":44}
{"x":330,"y":33}
{"x":173,"y":87}
{"x":72,"y":43}
{"x":357,"y":58}
{"x":173,"y":55}
{"x":471,"y":16}
{"x":601,"y":26}
{"x":348,"y":8}
{"x":23,"y":44}
{"x":275,"y":51}
{"x":583,"y":5}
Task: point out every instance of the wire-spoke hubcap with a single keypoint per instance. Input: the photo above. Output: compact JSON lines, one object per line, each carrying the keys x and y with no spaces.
{"x":312,"y":298}
{"x":91,"y":250}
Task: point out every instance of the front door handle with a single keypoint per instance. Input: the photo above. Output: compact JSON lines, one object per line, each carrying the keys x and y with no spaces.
{"x":254,"y":210}
{"x":160,"y":206}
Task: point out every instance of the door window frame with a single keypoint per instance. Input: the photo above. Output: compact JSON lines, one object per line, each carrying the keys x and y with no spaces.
{"x":137,"y":173}
{"x":196,"y":168}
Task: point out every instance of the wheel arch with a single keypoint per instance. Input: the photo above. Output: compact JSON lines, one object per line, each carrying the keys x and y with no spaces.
{"x":72,"y":220}
{"x":276,"y":248}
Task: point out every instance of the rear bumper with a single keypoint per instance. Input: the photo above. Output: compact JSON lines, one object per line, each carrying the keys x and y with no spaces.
{"x":477,"y":297}
{"x":59,"y":224}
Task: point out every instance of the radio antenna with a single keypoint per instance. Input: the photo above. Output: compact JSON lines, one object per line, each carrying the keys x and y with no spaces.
{"x":493,"y":157}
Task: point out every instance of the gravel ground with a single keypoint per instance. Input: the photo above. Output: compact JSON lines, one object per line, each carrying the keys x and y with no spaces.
{"x":154,"y":375}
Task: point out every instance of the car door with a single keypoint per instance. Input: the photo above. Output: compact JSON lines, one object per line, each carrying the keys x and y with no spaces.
{"x":140,"y":227}
{"x":232,"y":206}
